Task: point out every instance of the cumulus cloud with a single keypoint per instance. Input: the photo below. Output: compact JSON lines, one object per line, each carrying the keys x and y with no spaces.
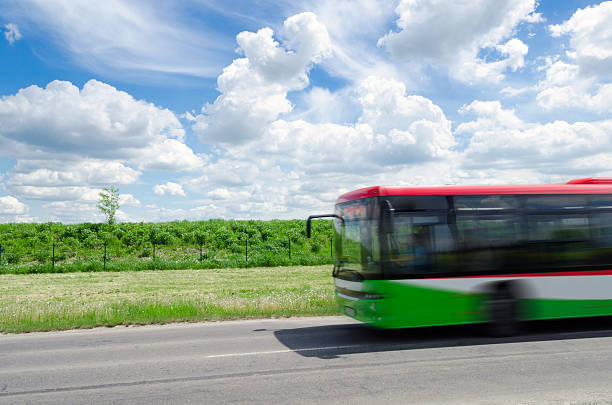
{"x":128,"y":200}
{"x":296,"y":165}
{"x":453,"y":33}
{"x":254,"y":88}
{"x":393,"y":129}
{"x":12,"y":210}
{"x":499,"y":139}
{"x":590,"y":36}
{"x":582,"y":80}
{"x":12,"y":206}
{"x":70,"y":173}
{"x":11,"y":33}
{"x":54,"y":193}
{"x":97,"y":121}
{"x":68,"y":139}
{"x":169,"y":188}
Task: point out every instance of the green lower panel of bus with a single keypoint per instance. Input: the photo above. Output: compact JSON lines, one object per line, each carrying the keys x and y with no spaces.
{"x":404,"y":306}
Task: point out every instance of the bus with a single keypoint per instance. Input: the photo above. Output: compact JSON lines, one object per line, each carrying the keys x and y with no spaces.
{"x":426,"y":256}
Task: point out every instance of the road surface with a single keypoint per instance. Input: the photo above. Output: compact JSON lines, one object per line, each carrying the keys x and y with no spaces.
{"x":308,"y":360}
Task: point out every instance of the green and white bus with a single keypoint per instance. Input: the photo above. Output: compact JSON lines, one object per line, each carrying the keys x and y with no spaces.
{"x":424,"y":256}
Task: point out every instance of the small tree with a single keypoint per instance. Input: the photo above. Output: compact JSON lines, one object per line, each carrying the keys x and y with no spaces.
{"x":109,"y":203}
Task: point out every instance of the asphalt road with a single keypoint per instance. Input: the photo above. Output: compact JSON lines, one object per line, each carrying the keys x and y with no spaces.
{"x":308,"y":360}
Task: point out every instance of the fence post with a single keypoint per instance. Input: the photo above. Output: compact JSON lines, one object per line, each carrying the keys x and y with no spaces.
{"x":246,"y":250}
{"x":201,"y":252}
{"x":289,"y":248}
{"x":331,"y":247}
{"x":104,"y":256}
{"x":0,"y":253}
{"x":153,"y":251}
{"x":53,"y":257}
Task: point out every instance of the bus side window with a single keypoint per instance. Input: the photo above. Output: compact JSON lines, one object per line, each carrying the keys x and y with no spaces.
{"x":487,"y":241}
{"x":417,"y":239}
{"x":601,"y":228}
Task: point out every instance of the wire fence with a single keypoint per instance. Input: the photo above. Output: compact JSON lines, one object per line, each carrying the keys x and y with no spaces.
{"x":58,"y":256}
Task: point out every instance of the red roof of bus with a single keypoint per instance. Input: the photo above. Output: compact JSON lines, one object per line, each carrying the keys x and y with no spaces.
{"x":590,"y":185}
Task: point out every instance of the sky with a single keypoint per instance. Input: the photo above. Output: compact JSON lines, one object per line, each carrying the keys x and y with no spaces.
{"x":201,"y":109}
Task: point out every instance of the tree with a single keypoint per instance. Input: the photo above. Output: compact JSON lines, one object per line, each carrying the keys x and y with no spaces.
{"x":109,"y":203}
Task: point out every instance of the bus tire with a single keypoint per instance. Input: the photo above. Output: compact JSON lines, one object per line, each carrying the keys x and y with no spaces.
{"x":503,"y":311}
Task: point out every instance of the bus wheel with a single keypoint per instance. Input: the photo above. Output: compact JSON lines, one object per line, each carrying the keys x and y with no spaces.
{"x":503,"y":311}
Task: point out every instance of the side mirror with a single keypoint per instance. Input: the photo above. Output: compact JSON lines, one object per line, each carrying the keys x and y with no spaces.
{"x":310,"y":218}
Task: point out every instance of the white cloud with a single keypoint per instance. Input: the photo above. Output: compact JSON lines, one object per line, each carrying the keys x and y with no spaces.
{"x":453,"y":33}
{"x":500,"y":140}
{"x":68,"y":139}
{"x":297,"y":165}
{"x":169,"y":188}
{"x":73,"y":211}
{"x":590,"y":35}
{"x":226,"y":194}
{"x":583,"y":81}
{"x":11,"y":33}
{"x":490,"y":115}
{"x":70,"y":173}
{"x":12,"y":210}
{"x":128,"y":200}
{"x":12,"y":206}
{"x":254,"y":88}
{"x":160,"y":214}
{"x":513,"y":91}
{"x":393,"y":129}
{"x":321,"y":105}
{"x":513,"y":51}
{"x":98,"y":121}
{"x":55,"y":193}
{"x":168,"y":155}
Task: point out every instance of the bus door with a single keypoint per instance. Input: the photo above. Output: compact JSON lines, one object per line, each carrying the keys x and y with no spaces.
{"x":417,"y":254}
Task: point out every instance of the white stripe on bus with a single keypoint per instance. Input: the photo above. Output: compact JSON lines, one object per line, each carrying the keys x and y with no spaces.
{"x":349,"y":285}
{"x":564,"y":288}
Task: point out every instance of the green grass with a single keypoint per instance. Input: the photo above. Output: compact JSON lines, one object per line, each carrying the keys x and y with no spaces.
{"x":43,"y":302}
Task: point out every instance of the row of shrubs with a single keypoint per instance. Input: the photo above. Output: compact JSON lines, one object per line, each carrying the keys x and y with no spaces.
{"x":186,"y":244}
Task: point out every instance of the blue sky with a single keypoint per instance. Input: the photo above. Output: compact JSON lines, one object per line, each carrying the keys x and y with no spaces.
{"x":230,"y":109}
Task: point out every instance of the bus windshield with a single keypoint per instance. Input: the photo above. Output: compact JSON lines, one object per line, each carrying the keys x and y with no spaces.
{"x":357,"y":240}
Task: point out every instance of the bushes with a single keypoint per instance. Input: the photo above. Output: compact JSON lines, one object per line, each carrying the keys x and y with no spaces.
{"x":28,"y":247}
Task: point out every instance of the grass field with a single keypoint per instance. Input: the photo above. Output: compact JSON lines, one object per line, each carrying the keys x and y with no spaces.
{"x":43,"y":302}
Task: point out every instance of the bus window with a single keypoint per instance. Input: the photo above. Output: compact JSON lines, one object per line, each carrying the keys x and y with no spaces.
{"x":487,"y":241}
{"x":418,"y":240}
{"x":600,"y":201}
{"x":486,"y":202}
{"x":601,"y":228}
{"x":418,"y":203}
{"x":558,"y":228}
{"x":357,"y":240}
{"x":562,"y":238}
{"x":555,"y":202}
{"x":486,"y":231}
